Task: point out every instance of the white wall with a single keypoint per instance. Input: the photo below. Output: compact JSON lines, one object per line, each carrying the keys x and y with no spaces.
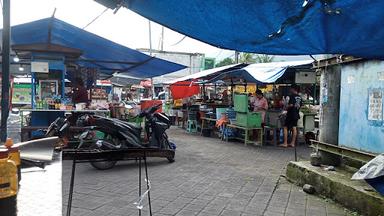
{"x":193,"y":61}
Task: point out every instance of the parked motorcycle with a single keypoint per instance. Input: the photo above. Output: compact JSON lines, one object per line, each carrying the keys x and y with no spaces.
{"x":116,"y":134}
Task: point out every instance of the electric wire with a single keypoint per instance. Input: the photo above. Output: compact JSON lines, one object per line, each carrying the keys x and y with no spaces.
{"x":179,"y":41}
{"x":97,"y":17}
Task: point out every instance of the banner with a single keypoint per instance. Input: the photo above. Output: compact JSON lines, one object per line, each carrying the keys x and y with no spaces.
{"x":184,"y":89}
{"x":21,"y":93}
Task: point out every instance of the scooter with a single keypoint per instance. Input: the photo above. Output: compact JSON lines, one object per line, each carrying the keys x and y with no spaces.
{"x":117,"y":134}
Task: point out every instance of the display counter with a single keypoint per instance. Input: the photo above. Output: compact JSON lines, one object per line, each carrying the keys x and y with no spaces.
{"x":41,"y":118}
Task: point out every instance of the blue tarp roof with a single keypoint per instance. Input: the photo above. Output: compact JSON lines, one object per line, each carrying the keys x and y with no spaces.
{"x":93,"y":47}
{"x":261,"y":72}
{"x":294,"y":27}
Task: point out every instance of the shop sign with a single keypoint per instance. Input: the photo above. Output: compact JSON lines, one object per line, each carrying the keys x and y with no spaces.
{"x":21,"y":93}
{"x":40,"y":67}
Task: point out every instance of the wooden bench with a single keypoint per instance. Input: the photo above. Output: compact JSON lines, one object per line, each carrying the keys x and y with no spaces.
{"x":247,"y":131}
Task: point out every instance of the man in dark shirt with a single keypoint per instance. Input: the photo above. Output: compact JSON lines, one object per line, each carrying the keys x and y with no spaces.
{"x":293,"y":109}
{"x":80,"y":93}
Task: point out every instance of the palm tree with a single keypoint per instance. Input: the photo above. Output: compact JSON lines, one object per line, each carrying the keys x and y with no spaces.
{"x":263,"y":58}
{"x":247,"y":58}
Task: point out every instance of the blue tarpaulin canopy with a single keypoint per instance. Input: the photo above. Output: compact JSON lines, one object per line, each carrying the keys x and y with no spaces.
{"x":96,"y":52}
{"x":261,"y":72}
{"x":207,"y":74}
{"x":295,"y":27}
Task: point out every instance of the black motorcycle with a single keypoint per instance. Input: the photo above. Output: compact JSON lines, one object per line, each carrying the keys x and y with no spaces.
{"x":100,"y":133}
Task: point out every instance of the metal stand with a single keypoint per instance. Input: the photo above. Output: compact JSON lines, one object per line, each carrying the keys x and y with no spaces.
{"x":149,"y":192}
{"x":71,"y":186}
{"x":73,"y":172}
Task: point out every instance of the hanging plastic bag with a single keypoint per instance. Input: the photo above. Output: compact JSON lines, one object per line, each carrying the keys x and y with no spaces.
{"x":373,"y":169}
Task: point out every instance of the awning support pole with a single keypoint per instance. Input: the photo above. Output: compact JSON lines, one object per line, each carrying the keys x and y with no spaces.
{"x":204,"y":93}
{"x":232,"y":93}
{"x":5,"y":68}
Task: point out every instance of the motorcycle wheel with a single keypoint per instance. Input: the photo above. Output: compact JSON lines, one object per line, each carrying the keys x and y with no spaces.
{"x":167,"y":145}
{"x":103,"y":165}
{"x":171,"y":159}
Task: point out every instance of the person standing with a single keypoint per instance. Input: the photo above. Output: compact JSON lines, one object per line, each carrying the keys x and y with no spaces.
{"x":260,"y":104}
{"x":80,"y":93}
{"x":293,"y":110}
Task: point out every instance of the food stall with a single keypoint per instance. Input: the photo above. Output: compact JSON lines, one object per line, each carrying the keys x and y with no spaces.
{"x":59,"y":52}
{"x":237,"y":84}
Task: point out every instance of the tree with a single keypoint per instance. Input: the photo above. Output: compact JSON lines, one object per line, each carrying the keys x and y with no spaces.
{"x":226,"y":61}
{"x":247,"y":58}
{"x":263,"y":58}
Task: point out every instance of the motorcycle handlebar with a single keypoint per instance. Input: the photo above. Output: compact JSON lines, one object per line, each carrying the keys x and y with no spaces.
{"x":149,"y":110}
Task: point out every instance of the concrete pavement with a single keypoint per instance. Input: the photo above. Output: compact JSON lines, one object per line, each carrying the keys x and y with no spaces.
{"x":210,"y":177}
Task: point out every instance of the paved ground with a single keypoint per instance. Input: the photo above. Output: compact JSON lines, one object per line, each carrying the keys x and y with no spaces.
{"x":209,"y":177}
{"x":40,"y":191}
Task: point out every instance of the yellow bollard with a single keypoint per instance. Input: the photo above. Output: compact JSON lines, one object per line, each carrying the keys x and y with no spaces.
{"x":8,"y":184}
{"x":14,"y":155}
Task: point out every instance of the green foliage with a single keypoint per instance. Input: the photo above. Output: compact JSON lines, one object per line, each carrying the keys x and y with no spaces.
{"x":248,"y":58}
{"x":263,"y":58}
{"x":224,"y":62}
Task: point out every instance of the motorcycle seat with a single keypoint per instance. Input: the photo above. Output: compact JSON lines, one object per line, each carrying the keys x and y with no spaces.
{"x":134,"y":128}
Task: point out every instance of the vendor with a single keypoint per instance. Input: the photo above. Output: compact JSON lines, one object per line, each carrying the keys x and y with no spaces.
{"x":224,"y":98}
{"x":260,"y":104}
{"x":79,"y":92}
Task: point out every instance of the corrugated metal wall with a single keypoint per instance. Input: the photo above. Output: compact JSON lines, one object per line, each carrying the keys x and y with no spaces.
{"x":361,"y":102}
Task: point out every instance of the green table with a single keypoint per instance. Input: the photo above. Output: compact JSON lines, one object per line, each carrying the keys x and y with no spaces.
{"x":247,"y":131}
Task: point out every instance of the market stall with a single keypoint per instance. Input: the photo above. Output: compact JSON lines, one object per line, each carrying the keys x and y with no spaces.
{"x":235,"y":88}
{"x":67,"y":66}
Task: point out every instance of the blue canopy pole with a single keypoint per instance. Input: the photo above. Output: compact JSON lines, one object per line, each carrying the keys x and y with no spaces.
{"x":5,"y":68}
{"x":33,"y":95}
{"x":63,"y":72}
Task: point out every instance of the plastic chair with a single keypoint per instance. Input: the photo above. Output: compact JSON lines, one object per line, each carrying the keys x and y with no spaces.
{"x":192,"y":126}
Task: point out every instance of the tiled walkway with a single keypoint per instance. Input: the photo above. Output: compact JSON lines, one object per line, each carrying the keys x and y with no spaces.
{"x":209,"y":177}
{"x":40,"y":191}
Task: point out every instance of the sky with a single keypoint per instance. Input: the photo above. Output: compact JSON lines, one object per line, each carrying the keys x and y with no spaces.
{"x":125,"y":27}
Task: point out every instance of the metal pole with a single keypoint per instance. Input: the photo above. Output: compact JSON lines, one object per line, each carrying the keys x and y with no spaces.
{"x":162,"y":39}
{"x":237,"y":57}
{"x":150,"y":37}
{"x":71,"y":185}
{"x":204,"y":93}
{"x":148,"y":186}
{"x":5,"y":68}
{"x":140,"y":182}
{"x":150,"y":53}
